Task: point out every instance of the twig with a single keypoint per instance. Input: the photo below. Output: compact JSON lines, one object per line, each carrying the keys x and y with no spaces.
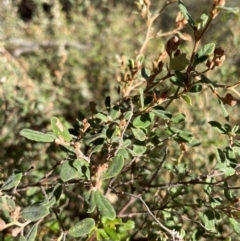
{"x":159,"y":166}
{"x":125,"y":207}
{"x":58,"y":218}
{"x":174,"y":234}
{"x":25,"y":46}
{"x":150,"y":23}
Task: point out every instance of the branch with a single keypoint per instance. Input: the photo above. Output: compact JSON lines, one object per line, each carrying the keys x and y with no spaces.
{"x":21,"y":46}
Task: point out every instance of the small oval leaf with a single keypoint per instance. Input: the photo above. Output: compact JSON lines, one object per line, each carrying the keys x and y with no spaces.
{"x":82,"y":228}
{"x":180,"y":62}
{"x":34,"y":212}
{"x":114,"y":168}
{"x":37,"y":135}
{"x":12,"y":181}
{"x":32,"y":234}
{"x":68,"y":171}
{"x":143,"y":121}
{"x":89,"y":202}
{"x":22,"y":238}
{"x":104,"y":206}
{"x":159,"y":111}
{"x":187,"y":99}
{"x":196,"y":89}
{"x":138,"y":134}
{"x":186,"y":14}
{"x":59,"y":129}
{"x":204,"y":52}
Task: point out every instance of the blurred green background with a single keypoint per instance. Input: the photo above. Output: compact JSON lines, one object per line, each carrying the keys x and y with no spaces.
{"x":56,"y":56}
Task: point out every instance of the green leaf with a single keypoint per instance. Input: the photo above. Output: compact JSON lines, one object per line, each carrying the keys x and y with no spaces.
{"x":104,"y":206}
{"x":220,"y":156}
{"x":196,"y":89}
{"x":129,"y":225}
{"x":203,"y":53}
{"x":97,"y":145}
{"x":235,"y":129}
{"x":159,"y":111}
{"x":210,"y":218}
{"x":179,"y":135}
{"x":194,"y":143}
{"x":214,"y":202}
{"x":174,"y":80}
{"x":34,"y":212}
{"x":218,"y":127}
{"x":178,"y":118}
{"x":114,"y":112}
{"x":101,"y":116}
{"x":112,"y":234}
{"x":59,"y":129}
{"x":131,"y":64}
{"x":187,"y":99}
{"x":140,"y":58}
{"x":229,"y":9}
{"x":235,"y":225}
{"x":228,"y":171}
{"x":71,"y":170}
{"x":126,"y":143}
{"x":82,"y":228}
{"x":181,"y":77}
{"x":12,"y":181}
{"x":224,"y":111}
{"x":125,"y":154}
{"x":127,"y":115}
{"x":180,"y":62}
{"x":22,"y":238}
{"x":186,"y":14}
{"x":201,"y":22}
{"x":37,"y":136}
{"x":114,"y":168}
{"x":143,"y":121}
{"x":32,"y":234}
{"x":145,"y":73}
{"x":101,"y":234}
{"x":55,"y":195}
{"x":205,"y":80}
{"x":138,"y":134}
{"x":138,"y":148}
{"x":91,"y":138}
{"x":89,"y":202}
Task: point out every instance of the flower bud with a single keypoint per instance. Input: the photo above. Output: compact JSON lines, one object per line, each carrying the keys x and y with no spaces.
{"x":229,"y":100}
{"x":172,"y":44}
{"x":160,"y":66}
{"x":177,"y":52}
{"x":218,"y":51}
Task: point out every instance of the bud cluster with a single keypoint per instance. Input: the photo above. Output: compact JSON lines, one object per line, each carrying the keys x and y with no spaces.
{"x":217,"y":60}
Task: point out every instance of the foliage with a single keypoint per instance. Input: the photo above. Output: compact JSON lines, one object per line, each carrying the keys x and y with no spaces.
{"x":155,"y":159}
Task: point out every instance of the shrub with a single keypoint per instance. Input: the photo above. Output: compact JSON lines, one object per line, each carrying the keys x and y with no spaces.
{"x":149,"y":165}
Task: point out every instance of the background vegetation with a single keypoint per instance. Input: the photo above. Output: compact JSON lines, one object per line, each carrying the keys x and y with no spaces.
{"x":58,"y":57}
